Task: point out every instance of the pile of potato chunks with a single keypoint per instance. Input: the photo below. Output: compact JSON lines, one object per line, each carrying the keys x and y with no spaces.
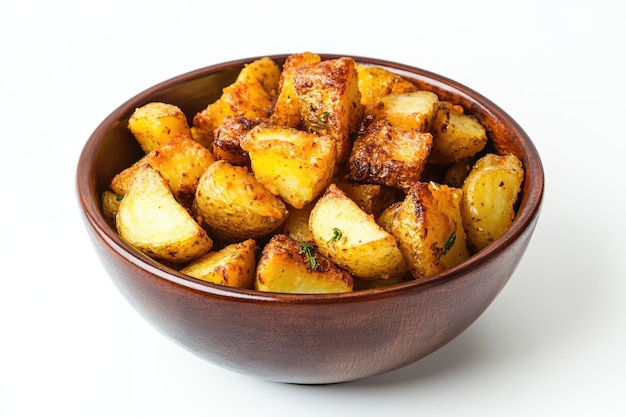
{"x":320,"y":176}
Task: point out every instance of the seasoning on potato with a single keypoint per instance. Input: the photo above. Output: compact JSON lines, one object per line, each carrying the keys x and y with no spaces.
{"x":320,"y":176}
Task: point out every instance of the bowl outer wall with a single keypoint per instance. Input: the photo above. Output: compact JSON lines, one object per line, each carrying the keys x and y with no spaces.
{"x":312,"y":338}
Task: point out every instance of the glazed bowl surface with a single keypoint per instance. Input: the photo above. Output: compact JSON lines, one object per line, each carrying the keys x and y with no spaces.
{"x":308,"y":339}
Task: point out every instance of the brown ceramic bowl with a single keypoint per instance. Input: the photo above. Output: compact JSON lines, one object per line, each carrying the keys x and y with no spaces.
{"x":310,"y":339}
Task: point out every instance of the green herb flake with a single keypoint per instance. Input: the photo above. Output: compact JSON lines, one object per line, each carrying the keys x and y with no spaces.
{"x":337,"y":234}
{"x":306,"y":249}
{"x":449,"y":243}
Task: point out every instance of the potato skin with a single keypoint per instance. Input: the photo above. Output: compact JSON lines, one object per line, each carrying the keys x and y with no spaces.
{"x":150,"y":219}
{"x":429,"y":229}
{"x":376,"y":83}
{"x":180,"y":160}
{"x":329,"y":100}
{"x":155,"y":123}
{"x":233,"y":206}
{"x":490,"y":193}
{"x":386,"y":155}
{"x":246,"y":97}
{"x":352,"y":239}
{"x":232,"y":266}
{"x":456,"y":135}
{"x":409,"y":111}
{"x":285,"y":268}
{"x":227,"y":142}
{"x":286,"y":110}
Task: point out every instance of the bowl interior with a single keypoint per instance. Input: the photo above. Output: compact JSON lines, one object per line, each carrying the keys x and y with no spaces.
{"x":112,"y":148}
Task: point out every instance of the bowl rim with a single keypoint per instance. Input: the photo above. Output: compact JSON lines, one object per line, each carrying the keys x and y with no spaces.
{"x":89,"y":200}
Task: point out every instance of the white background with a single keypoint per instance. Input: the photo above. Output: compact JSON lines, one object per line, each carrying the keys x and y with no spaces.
{"x":554,"y":341}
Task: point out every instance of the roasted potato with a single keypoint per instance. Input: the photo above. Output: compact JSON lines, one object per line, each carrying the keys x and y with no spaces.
{"x":150,"y":219}
{"x":372,"y":198}
{"x":180,"y":160}
{"x":110,"y":205}
{"x":286,"y":110}
{"x":490,"y":193}
{"x":287,"y":266}
{"x":290,"y":163}
{"x":233,"y":206}
{"x":155,"y":123}
{"x":245,"y":97}
{"x":352,"y":239}
{"x":329,"y":100}
{"x":409,"y":111}
{"x":456,"y":135}
{"x":233,"y":265}
{"x":264,"y":70}
{"x":226,"y":144}
{"x":386,"y":155}
{"x":429,"y":229}
{"x":297,"y":224}
{"x":376,"y":83}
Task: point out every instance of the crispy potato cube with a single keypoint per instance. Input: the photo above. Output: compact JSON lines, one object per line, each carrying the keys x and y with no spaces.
{"x":297,"y":224}
{"x":234,"y":206}
{"x":386,"y":155}
{"x":180,"y":160}
{"x":372,"y":198}
{"x":286,"y":111}
{"x":245,"y":97}
{"x":456,"y":135}
{"x":329,"y":100}
{"x":429,"y":229}
{"x":376,"y":83}
{"x":150,"y":219}
{"x":228,"y":136}
{"x":352,"y":239}
{"x":155,"y":123}
{"x":290,"y":163}
{"x":490,"y":193}
{"x":266,"y":71}
{"x":409,"y":111}
{"x":287,"y":266}
{"x":232,"y":266}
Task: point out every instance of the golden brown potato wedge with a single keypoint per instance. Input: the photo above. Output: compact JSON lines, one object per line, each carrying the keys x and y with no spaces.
{"x":329,"y":100}
{"x":287,"y":266}
{"x":245,"y":97}
{"x":490,"y":193}
{"x":286,"y":111}
{"x":233,"y":206}
{"x":429,"y":229}
{"x":150,"y":219}
{"x":155,"y":123}
{"x":181,"y":160}
{"x":352,"y":239}
{"x":456,"y":135}
{"x":290,"y":163}
{"x":386,"y":155}
{"x":232,"y":266}
{"x":409,"y":111}
{"x":266,"y":71}
{"x":376,"y":83}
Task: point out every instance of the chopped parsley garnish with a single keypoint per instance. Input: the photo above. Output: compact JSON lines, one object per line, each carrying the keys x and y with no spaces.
{"x":306,"y":249}
{"x":449,"y":243}
{"x":337,"y":234}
